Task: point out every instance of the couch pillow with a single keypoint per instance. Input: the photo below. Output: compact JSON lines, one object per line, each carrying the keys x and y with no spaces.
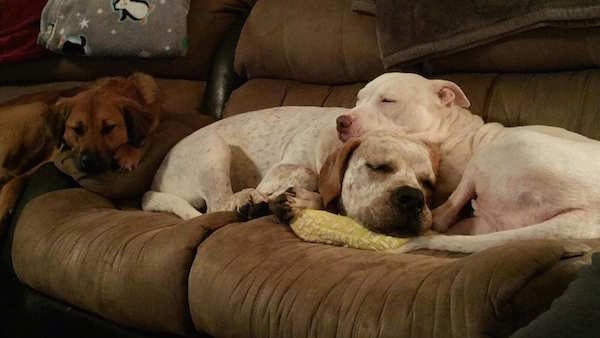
{"x":131,"y":185}
{"x":317,"y":41}
{"x":144,"y":28}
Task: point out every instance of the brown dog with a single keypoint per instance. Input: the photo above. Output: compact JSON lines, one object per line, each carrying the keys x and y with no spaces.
{"x":103,"y":125}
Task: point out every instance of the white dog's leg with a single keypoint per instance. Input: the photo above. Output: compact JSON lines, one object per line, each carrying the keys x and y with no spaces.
{"x":571,"y":225}
{"x":165,"y":202}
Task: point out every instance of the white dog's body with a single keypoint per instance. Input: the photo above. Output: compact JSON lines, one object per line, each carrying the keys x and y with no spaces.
{"x":270,"y":150}
{"x":524,"y":182}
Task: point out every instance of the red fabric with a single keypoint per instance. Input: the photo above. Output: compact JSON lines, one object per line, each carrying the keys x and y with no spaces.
{"x":19,"y":28}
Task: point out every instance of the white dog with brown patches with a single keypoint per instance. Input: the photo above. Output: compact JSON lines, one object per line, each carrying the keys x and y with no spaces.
{"x":523,"y":182}
{"x":242,"y":162}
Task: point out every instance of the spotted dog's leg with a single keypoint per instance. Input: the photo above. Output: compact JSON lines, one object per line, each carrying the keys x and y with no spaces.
{"x":275,"y":182}
{"x":295,"y":199}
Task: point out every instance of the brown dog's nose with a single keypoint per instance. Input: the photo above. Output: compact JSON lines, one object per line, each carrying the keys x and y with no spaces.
{"x":89,"y":163}
{"x":343,"y":122}
{"x":408,"y":198}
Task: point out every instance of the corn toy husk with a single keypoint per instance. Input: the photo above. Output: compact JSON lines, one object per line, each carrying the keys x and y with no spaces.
{"x":320,"y":226}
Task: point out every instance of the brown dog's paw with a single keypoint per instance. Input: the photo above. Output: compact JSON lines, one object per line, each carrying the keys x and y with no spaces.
{"x":128,"y":157}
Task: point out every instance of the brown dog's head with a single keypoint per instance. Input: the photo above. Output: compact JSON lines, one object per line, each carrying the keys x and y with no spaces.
{"x":108,"y":114}
{"x":383,"y":180}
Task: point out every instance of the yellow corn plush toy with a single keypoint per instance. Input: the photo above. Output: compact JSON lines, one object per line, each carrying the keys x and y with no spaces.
{"x":324,"y":227}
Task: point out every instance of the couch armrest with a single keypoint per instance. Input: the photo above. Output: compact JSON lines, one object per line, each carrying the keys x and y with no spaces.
{"x":46,"y":179}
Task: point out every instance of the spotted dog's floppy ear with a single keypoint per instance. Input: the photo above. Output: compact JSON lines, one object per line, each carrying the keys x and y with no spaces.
{"x":332,"y":174}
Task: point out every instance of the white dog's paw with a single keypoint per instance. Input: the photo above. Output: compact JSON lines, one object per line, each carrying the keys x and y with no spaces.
{"x":287,"y":205}
{"x":249,"y":204}
{"x":574,"y":249}
{"x":443,"y":217}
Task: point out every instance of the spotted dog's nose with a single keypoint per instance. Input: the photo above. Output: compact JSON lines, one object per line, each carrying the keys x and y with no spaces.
{"x":408,"y":198}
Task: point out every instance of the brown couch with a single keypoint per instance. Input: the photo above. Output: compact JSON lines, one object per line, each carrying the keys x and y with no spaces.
{"x":95,"y":266}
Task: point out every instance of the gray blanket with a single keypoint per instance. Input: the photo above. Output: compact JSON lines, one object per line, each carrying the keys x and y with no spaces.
{"x":410,"y":31}
{"x":143,"y":28}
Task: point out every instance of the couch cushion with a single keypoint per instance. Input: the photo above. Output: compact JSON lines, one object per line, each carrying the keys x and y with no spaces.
{"x":257,"y":279}
{"x":338,"y":46}
{"x":128,"y":266}
{"x":207,"y":21}
{"x":265,"y":93}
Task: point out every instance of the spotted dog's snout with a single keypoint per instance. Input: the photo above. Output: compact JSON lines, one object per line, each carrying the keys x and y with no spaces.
{"x":408,"y":198}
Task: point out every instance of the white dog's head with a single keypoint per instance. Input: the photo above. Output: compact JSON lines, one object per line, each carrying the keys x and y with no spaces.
{"x":383,"y":180}
{"x":406,"y":102}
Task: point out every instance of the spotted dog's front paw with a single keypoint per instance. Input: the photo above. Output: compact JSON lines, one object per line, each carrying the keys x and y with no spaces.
{"x":249,"y":204}
{"x":287,"y":205}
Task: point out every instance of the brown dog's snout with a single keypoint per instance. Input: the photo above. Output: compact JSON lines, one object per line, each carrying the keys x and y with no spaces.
{"x":89,"y":163}
{"x":343,"y":123}
{"x":408,"y":198}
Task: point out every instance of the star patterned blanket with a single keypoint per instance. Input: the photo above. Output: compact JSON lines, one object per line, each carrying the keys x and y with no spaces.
{"x":142,"y":28}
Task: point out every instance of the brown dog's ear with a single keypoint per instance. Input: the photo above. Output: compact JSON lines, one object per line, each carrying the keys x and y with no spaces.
{"x":450,"y":93}
{"x":332,"y":174}
{"x":56,"y":117}
{"x":146,"y":87}
{"x":139,"y":120}
{"x":55,"y":124}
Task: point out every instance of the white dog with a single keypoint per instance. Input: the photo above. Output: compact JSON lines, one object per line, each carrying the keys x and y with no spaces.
{"x":524,"y":182}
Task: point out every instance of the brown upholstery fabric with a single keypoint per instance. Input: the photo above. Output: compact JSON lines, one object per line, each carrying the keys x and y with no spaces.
{"x":265,"y":93}
{"x":257,"y":279}
{"x":318,"y":41}
{"x":129,"y":266}
{"x":207,"y":21}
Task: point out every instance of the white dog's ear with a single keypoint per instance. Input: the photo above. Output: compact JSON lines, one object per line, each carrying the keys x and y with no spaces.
{"x":332,"y":174}
{"x":450,"y":93}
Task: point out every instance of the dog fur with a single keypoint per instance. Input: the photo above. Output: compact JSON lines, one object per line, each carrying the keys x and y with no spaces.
{"x":106,"y":121}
